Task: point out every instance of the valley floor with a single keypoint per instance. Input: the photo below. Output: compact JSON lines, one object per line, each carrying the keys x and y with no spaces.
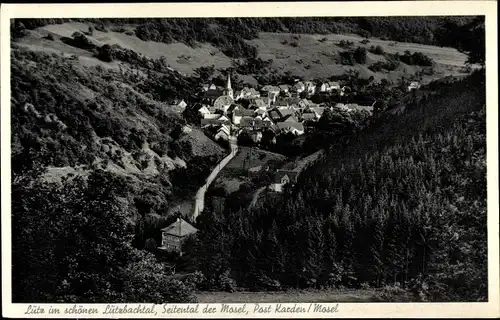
{"x":338,"y":295}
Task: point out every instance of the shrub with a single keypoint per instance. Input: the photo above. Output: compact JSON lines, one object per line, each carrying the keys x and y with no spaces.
{"x":377,"y":50}
{"x":106,"y":53}
{"x":50,"y":37}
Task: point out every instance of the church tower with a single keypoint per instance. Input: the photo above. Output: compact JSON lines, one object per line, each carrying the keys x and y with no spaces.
{"x":228,"y":91}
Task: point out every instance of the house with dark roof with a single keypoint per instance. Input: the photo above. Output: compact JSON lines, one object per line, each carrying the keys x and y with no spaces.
{"x":294,"y":127}
{"x":175,"y":234}
{"x":282,"y":178}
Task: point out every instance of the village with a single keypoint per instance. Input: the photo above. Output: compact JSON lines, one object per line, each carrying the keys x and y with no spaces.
{"x":268,"y":112}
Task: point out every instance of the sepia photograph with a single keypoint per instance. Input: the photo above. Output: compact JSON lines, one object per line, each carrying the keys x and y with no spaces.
{"x":234,"y":160}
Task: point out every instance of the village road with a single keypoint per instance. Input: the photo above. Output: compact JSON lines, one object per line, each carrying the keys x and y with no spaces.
{"x":200,"y":195}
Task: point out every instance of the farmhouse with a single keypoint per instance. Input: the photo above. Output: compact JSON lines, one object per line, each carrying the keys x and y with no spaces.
{"x":178,"y":106}
{"x":294,"y":127}
{"x":223,"y":133}
{"x":299,"y":87}
{"x":175,"y":234}
{"x":413,"y":86}
{"x":283,"y":177}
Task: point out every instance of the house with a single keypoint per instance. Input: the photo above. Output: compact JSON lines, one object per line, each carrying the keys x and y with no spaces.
{"x":318,"y":111}
{"x":413,"y":86}
{"x":203,"y":110}
{"x":211,"y":116}
{"x":178,"y":106}
{"x":333,"y":85}
{"x":299,"y":87}
{"x":214,"y":122}
{"x":256,"y":136}
{"x":223,"y":133}
{"x":253,"y":123}
{"x":175,"y":234}
{"x":355,"y":107}
{"x":282,"y":178}
{"x":310,"y":116}
{"x":248,"y":93}
{"x":294,"y":127}
{"x":260,"y":103}
{"x":290,"y":118}
{"x":277,"y":114}
{"x":324,"y":87}
{"x":304,"y":103}
{"x":281,"y":103}
{"x":205,"y":87}
{"x":269,"y":89}
{"x":310,"y":87}
{"x":209,"y":96}
{"x":284,"y":88}
{"x":240,"y":113}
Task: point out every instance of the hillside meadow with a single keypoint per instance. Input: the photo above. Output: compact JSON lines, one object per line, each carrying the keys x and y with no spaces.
{"x":310,"y":56}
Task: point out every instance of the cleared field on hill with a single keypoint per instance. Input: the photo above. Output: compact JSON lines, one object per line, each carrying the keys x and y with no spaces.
{"x":309,"y":57}
{"x":315,"y":56}
{"x":290,"y":296}
{"x":181,"y":57}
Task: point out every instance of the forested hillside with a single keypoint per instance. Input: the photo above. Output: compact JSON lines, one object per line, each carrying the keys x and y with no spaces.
{"x":98,"y":158}
{"x":402,"y":205}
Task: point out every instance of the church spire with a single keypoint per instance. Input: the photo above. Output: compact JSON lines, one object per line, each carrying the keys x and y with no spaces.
{"x":228,"y":86}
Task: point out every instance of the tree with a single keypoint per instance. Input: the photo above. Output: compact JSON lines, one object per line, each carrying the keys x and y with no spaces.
{"x":106,"y":53}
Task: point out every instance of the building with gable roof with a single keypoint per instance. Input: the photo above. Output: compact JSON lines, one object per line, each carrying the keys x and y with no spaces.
{"x":175,"y":234}
{"x":282,"y":178}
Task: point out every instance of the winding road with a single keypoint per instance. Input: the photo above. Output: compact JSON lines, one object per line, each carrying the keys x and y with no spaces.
{"x":200,"y":195}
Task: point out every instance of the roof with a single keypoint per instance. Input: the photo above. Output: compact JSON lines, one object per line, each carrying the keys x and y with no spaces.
{"x":213,"y":93}
{"x":179,"y":228}
{"x":260,"y":103}
{"x":286,"y":112}
{"x":284,"y":87}
{"x":252,"y":122}
{"x":334,"y":84}
{"x":249,"y":91}
{"x":281,"y":173}
{"x":211,"y":116}
{"x":242,"y":112}
{"x":318,"y":110}
{"x":224,"y":129}
{"x":223,"y":101}
{"x":290,"y":118}
{"x":270,"y":88}
{"x":212,"y":121}
{"x":290,"y":125}
{"x":308,"y":116}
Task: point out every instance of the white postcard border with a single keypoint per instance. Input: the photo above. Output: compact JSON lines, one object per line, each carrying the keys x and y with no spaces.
{"x":269,"y":9}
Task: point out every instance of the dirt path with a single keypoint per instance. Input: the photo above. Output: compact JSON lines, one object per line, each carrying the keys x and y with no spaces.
{"x":256,"y":197}
{"x":200,"y":195}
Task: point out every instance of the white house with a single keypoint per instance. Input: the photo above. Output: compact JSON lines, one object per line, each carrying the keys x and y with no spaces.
{"x":299,"y":87}
{"x":413,"y":86}
{"x":282,"y":178}
{"x":203,"y":110}
{"x":223,"y":133}
{"x":310,"y":87}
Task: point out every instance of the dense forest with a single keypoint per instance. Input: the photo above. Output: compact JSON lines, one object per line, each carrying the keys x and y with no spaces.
{"x":401,"y":204}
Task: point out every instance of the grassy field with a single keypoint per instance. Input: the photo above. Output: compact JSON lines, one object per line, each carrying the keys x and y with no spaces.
{"x":310,"y":57}
{"x":313,"y":58}
{"x":288,"y":296}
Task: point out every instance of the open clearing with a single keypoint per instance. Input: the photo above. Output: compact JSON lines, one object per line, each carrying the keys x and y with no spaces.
{"x":312,"y":56}
{"x":288,"y":296}
{"x":315,"y":56}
